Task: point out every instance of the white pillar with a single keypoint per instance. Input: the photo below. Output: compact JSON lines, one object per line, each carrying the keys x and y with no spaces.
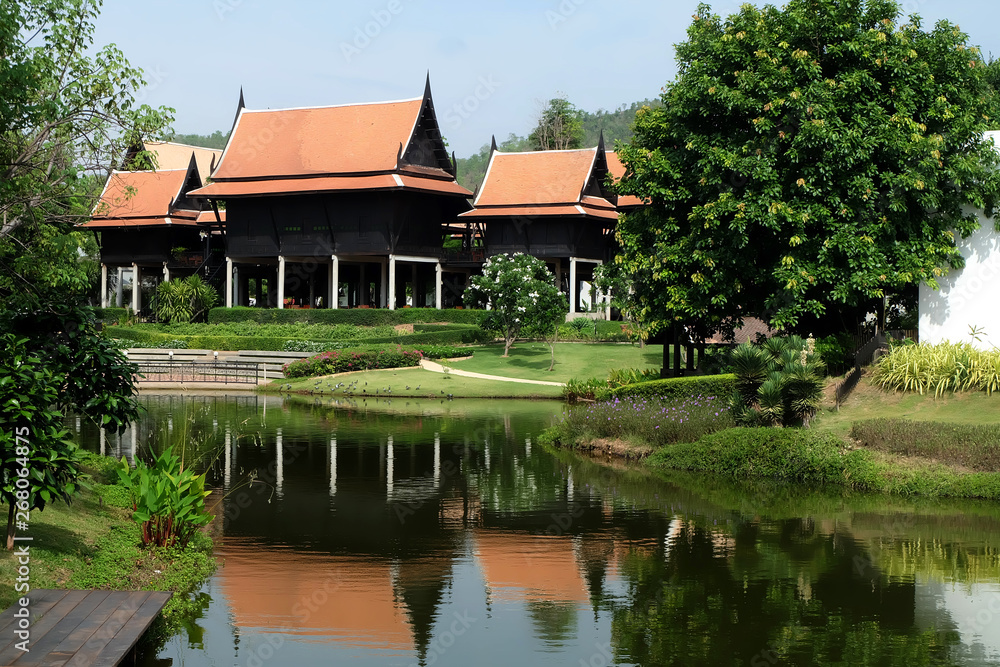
{"x":119,"y":288}
{"x":333,"y":467}
{"x":384,"y":283}
{"x":392,"y":282}
{"x":104,"y":285}
{"x":104,"y":442}
{"x":572,"y":285}
{"x":229,"y":282}
{"x":437,"y":286}
{"x":388,"y":469}
{"x":136,"y":288}
{"x":607,"y":305}
{"x":166,"y":273}
{"x":279,"y":474}
{"x":281,"y":281}
{"x":335,"y":281}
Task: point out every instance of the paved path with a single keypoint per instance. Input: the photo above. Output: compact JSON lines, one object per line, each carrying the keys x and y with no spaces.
{"x":435,"y":367}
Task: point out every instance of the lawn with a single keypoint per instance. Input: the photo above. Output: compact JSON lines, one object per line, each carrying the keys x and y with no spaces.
{"x":871,"y":402}
{"x":530,"y":360}
{"x":412,"y":382}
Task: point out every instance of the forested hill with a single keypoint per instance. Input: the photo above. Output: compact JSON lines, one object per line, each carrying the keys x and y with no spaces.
{"x":617,"y":126}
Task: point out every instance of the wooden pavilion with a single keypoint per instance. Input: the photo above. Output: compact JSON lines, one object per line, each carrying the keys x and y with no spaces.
{"x":338,"y":206}
{"x":554,"y":205}
{"x":146,"y":222}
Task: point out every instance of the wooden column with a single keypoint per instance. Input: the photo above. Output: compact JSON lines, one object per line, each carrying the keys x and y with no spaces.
{"x":120,"y":288}
{"x":364,"y":296}
{"x":413,"y":289}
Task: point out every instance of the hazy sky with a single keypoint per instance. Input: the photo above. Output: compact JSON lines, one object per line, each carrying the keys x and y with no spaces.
{"x":492,"y":64}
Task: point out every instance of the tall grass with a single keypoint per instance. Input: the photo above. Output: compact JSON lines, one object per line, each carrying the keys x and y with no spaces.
{"x":976,"y":447}
{"x":653,"y":421}
{"x":943,"y":367}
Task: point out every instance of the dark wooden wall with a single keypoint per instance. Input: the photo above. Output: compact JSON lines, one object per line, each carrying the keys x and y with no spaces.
{"x":546,"y":237}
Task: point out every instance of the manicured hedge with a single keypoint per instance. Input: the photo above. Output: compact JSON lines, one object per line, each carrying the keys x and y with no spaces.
{"x":973,"y":446}
{"x":365,"y":358}
{"x":367,"y":317}
{"x":111,"y":315}
{"x":721,"y":386}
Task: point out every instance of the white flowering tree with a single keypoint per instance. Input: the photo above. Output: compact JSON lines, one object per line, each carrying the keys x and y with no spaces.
{"x":521,"y":295}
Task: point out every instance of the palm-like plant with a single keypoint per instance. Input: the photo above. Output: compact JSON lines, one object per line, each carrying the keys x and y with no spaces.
{"x":183,"y":300}
{"x":778,"y":382}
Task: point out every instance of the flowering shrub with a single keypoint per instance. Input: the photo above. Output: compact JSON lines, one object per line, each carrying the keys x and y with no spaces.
{"x":657,"y":422}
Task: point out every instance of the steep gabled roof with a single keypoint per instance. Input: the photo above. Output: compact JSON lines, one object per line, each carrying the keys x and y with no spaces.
{"x":544,"y":183}
{"x":617,"y":170}
{"x":148,"y":198}
{"x":172,"y":155}
{"x":322,"y":149}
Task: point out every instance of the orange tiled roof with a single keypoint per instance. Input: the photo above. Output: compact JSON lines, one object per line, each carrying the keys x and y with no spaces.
{"x":223,"y":189}
{"x":541,"y":177}
{"x":350,"y":139}
{"x":140,"y":194}
{"x":108,"y":223}
{"x":568,"y":210}
{"x":208,"y":217}
{"x":171,"y":155}
{"x":617,"y":170}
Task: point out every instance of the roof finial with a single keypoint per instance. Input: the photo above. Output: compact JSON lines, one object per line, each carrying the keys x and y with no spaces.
{"x":600,"y":142}
{"x":493,"y":144}
{"x":239,"y":108}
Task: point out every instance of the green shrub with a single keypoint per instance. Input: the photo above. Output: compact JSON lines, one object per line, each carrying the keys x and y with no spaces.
{"x":576,"y":390}
{"x":942,"y":367}
{"x":783,"y":454}
{"x":357,"y":316}
{"x":837,"y":352}
{"x":352,"y":359}
{"x":168,"y":500}
{"x":111,"y":315}
{"x":778,"y":382}
{"x":976,"y":447}
{"x":682,"y":387}
{"x":620,"y":377}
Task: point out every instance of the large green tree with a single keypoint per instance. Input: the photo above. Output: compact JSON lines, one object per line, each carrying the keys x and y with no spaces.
{"x":560,"y":127}
{"x":807,"y":161}
{"x":69,"y":114}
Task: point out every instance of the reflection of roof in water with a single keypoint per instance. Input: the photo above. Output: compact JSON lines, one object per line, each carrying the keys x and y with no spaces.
{"x":530,"y":567}
{"x":352,"y":599}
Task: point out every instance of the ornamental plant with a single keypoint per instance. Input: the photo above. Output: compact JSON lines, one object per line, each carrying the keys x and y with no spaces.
{"x":184,"y":299}
{"x":168,"y":499}
{"x":778,"y":383}
{"x":521,"y":295}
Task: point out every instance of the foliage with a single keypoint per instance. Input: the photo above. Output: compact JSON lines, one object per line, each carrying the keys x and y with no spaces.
{"x":216,"y":140}
{"x":652,"y":421}
{"x":183,"y":300}
{"x":621,"y":377}
{"x":362,"y":317}
{"x":976,"y":447}
{"x":669,"y":388}
{"x":778,"y":382}
{"x":521,"y":294}
{"x":560,"y":127}
{"x":806,"y":159}
{"x":940,"y":367}
{"x":352,"y":359}
{"x":112,"y":315}
{"x":69,"y":110}
{"x":837,"y":352}
{"x":576,"y":390}
{"x":168,"y":499}
{"x":53,"y":361}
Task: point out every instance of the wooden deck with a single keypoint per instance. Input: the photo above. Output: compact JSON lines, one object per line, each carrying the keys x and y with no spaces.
{"x":77,"y":628}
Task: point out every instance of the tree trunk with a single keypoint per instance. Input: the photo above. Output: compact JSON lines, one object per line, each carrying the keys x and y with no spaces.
{"x":10,"y":526}
{"x":506,"y":346}
{"x":552,"y":351}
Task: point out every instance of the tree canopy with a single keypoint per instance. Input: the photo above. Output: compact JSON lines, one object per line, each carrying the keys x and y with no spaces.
{"x":806,"y":160}
{"x":560,"y":127}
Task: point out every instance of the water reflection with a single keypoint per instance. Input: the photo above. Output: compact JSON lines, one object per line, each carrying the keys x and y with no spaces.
{"x":362,"y":536}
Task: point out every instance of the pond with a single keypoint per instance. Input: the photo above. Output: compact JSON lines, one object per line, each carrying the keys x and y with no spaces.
{"x":441,"y":533}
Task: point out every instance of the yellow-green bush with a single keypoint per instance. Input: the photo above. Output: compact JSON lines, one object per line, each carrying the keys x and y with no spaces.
{"x":941,"y":367}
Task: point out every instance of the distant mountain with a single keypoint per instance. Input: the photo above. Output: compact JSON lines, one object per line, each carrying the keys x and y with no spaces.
{"x":215,"y":140}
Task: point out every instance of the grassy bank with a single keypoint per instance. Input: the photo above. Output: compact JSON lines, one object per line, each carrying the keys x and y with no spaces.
{"x":94,"y":544}
{"x":918,"y":445}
